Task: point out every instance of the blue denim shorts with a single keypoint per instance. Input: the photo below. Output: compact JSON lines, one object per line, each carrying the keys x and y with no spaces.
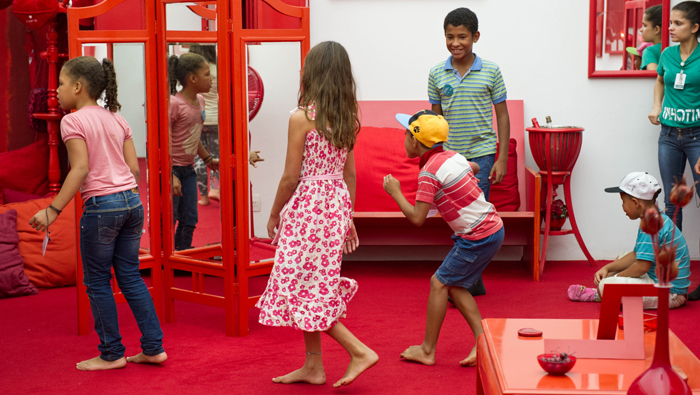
{"x":463,"y":265}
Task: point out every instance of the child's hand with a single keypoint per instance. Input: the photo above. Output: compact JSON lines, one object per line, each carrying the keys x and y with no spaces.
{"x":177,"y":187}
{"x":272,"y":223}
{"x":599,"y":276}
{"x":253,"y":158}
{"x":351,"y":240}
{"x":214,"y":164}
{"x":391,"y":185}
{"x":40,"y":221}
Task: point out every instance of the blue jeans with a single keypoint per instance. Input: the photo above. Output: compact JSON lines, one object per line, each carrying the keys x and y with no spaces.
{"x":485,"y":164}
{"x":462,"y":267}
{"x":110,"y":235}
{"x":676,"y":146}
{"x":185,"y":207}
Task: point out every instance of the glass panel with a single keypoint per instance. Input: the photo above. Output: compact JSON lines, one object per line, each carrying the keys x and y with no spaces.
{"x":194,"y":136}
{"x":128,"y":15}
{"x":190,"y":17}
{"x":620,"y":34}
{"x":273,"y":85}
{"x":130,"y":67}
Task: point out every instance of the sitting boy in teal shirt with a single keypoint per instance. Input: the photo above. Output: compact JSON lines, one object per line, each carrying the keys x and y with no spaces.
{"x":638,"y":192}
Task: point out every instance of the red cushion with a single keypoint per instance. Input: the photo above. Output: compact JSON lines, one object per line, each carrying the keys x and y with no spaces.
{"x":10,"y":196}
{"x":505,"y":196}
{"x":13,"y":281}
{"x":32,"y":163}
{"x":378,"y":152}
{"x":35,"y":13}
{"x":57,"y":267}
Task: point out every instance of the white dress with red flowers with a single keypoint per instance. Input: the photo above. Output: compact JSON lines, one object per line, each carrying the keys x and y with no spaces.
{"x":305,"y":290}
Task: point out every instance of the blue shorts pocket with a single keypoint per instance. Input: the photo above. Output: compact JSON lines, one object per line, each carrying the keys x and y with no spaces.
{"x":460,"y":260}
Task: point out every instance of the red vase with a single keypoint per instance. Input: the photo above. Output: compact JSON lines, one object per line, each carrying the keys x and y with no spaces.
{"x":556,"y":223}
{"x":660,"y":378}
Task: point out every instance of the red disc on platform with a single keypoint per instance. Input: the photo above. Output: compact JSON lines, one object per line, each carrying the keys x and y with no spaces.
{"x":529,"y":332}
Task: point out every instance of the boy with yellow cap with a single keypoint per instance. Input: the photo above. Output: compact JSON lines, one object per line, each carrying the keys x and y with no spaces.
{"x":448,"y":182}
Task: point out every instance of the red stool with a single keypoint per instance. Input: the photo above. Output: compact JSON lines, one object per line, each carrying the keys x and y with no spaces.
{"x":556,"y":150}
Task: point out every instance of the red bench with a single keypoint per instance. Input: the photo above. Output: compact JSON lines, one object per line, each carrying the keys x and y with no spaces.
{"x":380,"y":151}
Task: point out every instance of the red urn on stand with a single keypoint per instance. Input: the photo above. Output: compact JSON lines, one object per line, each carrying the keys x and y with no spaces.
{"x":660,"y":378}
{"x":555,"y":150}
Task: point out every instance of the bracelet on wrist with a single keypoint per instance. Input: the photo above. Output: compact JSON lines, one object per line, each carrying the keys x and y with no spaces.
{"x":55,"y":209}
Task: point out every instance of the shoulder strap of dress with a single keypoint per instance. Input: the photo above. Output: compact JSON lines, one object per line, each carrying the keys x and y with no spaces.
{"x":312,"y":111}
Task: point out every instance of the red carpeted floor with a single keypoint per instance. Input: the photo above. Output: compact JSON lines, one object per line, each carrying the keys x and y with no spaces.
{"x":40,"y":346}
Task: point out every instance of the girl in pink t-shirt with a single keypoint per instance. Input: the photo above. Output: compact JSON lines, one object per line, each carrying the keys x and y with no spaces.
{"x":187,"y":116}
{"x":104,"y":168}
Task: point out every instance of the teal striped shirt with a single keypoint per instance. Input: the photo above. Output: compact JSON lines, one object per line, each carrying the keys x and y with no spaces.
{"x":466,"y":104}
{"x":645,"y":252}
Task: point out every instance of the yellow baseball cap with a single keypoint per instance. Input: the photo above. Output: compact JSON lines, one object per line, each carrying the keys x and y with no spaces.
{"x":427,"y":126}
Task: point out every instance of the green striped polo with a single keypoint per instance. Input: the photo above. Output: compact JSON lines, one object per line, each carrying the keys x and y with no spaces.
{"x":466,"y":104}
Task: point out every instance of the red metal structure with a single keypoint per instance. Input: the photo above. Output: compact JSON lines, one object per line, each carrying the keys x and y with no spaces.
{"x":147,"y":36}
{"x":231,"y":37}
{"x":555,"y":151}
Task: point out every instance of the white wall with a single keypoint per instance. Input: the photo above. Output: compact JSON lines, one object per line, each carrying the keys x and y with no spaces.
{"x":542,"y":49}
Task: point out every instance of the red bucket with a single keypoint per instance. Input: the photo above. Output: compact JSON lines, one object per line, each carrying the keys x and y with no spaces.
{"x":564,"y":142}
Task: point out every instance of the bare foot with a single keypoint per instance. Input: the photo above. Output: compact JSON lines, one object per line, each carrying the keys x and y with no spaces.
{"x":98,"y":363}
{"x":214,"y":194}
{"x":357,"y":366}
{"x":204,"y":200}
{"x":143,"y":358}
{"x":470,"y":360}
{"x":303,"y":375}
{"x":418,"y":354}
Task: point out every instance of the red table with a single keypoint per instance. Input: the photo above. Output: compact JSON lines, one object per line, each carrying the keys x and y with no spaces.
{"x":507,"y":364}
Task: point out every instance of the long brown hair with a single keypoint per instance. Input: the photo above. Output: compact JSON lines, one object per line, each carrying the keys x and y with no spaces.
{"x":98,"y":78}
{"x":327,"y":84}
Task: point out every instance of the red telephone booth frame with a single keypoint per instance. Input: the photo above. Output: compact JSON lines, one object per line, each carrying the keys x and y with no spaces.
{"x":148,"y":259}
{"x":235,"y":267}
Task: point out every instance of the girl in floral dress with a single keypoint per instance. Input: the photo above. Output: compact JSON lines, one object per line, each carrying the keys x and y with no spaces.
{"x":312,"y":213}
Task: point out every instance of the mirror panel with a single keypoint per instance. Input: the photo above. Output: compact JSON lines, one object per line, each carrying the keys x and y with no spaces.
{"x":194,"y":121}
{"x":277,"y":65}
{"x":194,"y":17}
{"x":617,"y":38}
{"x":129,"y":64}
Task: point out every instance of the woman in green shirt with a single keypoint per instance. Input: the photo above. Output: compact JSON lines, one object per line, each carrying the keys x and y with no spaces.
{"x":677,"y":101}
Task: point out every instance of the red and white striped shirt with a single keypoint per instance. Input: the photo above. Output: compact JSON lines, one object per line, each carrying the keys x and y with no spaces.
{"x":447,"y":180}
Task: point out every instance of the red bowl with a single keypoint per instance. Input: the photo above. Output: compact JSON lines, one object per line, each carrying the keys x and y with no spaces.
{"x":555,"y":368}
{"x":649,"y":322}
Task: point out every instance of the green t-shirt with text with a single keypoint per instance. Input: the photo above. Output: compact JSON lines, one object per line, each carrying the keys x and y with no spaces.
{"x":681,"y":107}
{"x":651,"y":55}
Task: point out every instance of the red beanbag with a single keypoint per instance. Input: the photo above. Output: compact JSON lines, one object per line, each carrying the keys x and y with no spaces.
{"x":13,"y":281}
{"x":505,"y":195}
{"x":26,"y":169}
{"x":57,"y":267}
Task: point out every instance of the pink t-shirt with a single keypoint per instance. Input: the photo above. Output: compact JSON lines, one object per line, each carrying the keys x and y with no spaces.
{"x":186,"y":123}
{"x":104,"y":133}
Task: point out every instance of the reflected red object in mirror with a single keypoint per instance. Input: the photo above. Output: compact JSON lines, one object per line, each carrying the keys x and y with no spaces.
{"x":649,"y":322}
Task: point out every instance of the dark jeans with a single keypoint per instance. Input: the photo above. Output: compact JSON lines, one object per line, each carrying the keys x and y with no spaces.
{"x":676,"y":147}
{"x":485,"y":164}
{"x":185,"y":207}
{"x":110,"y":235}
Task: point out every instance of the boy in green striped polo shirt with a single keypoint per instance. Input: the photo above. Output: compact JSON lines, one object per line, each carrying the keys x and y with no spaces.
{"x":462,"y":89}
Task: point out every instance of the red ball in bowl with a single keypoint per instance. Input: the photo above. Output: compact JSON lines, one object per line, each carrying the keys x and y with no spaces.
{"x":555,"y":368}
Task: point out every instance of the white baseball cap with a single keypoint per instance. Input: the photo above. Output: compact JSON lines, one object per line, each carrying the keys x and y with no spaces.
{"x":638,"y":184}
